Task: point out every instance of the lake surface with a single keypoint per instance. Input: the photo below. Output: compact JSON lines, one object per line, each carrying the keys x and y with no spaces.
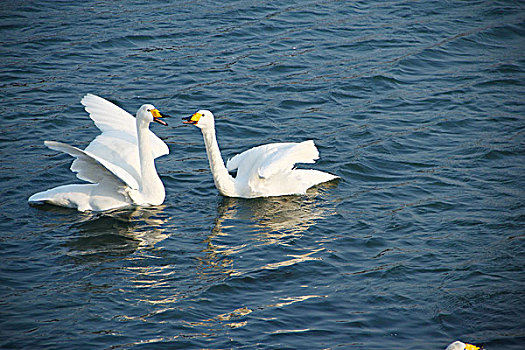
{"x":417,"y":106}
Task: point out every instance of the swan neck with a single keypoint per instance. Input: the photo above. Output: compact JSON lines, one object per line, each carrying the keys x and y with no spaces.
{"x":151,"y":186}
{"x":223,"y":180}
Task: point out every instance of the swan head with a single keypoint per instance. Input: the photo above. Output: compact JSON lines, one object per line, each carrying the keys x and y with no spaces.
{"x":148,"y":113}
{"x":202,"y":119}
{"x":457,"y":345}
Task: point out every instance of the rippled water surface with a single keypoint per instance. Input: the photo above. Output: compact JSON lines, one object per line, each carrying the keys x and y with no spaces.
{"x":418,"y":106}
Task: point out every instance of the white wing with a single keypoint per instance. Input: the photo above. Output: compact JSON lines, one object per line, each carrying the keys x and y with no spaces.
{"x":274,"y":158}
{"x":118,"y":143}
{"x":111,"y":118}
{"x":284,"y":157}
{"x":233,"y":163}
{"x":108,"y":116}
{"x":92,"y":168}
{"x":117,"y":148}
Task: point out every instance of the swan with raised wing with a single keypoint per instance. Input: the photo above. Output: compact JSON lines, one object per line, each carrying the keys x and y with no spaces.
{"x":263,"y":171}
{"x":119,"y":163}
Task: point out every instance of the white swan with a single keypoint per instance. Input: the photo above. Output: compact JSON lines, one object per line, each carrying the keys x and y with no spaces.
{"x":262,"y":171}
{"x":119,"y":163}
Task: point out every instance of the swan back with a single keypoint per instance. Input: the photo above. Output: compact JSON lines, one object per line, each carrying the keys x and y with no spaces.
{"x":268,"y":170}
{"x":270,"y":159}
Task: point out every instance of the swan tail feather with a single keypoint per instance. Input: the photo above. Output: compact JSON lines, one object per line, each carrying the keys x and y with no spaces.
{"x":69,"y":196}
{"x":82,"y":197}
{"x":314,"y":177}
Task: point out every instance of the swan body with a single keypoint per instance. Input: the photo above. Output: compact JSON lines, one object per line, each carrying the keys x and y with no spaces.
{"x":118,"y":163}
{"x":262,"y":171}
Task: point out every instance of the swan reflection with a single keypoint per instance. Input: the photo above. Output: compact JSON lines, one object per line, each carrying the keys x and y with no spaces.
{"x":241,"y":238}
{"x":272,"y":218}
{"x":118,"y":233}
{"x":261,"y":221}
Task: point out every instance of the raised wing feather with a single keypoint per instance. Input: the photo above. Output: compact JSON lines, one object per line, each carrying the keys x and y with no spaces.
{"x":233,"y":163}
{"x":283,"y":157}
{"x":94,"y":169}
{"x":119,"y":149}
{"x":110,"y":118}
{"x":254,"y":156}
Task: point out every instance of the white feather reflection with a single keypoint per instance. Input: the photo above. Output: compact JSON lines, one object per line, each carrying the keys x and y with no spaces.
{"x":262,"y":221}
{"x":113,"y":235}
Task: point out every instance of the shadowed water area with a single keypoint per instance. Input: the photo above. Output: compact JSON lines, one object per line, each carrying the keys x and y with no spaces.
{"x":417,"y":106}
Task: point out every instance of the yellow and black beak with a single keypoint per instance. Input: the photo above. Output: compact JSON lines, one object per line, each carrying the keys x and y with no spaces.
{"x":194,"y":119}
{"x":157,"y":115}
{"x":473,"y":347}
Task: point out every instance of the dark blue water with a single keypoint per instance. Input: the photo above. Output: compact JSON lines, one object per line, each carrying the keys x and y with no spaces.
{"x":417,"y":106}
